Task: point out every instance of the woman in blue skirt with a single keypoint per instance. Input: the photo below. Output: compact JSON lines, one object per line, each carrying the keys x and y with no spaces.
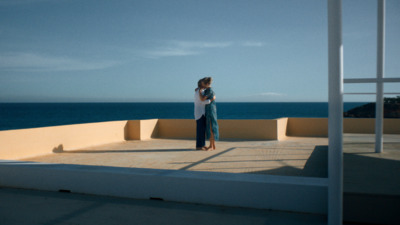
{"x":212,"y":128}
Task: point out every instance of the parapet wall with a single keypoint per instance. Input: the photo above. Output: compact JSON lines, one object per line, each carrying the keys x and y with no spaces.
{"x":318,"y":127}
{"x":24,"y":143}
{"x":228,"y":129}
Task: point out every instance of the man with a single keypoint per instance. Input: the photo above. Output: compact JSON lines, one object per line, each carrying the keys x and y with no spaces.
{"x":199,"y":115}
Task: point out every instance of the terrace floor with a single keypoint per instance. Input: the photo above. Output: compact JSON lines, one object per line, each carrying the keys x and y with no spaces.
{"x":371,"y":182}
{"x":364,"y":171}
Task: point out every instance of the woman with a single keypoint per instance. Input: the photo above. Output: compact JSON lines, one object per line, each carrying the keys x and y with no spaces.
{"x":212,"y":128}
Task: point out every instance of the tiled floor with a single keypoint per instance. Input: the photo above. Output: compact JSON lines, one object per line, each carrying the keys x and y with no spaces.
{"x":267,"y":157}
{"x":364,"y":170}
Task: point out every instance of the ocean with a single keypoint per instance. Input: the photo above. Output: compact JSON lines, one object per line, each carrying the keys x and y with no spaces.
{"x":30,"y":115}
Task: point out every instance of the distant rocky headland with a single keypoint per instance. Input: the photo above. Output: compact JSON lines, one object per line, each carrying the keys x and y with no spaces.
{"x":391,"y":109}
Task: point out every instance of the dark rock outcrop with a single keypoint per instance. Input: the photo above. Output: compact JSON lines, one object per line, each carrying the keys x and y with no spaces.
{"x":391,"y":109}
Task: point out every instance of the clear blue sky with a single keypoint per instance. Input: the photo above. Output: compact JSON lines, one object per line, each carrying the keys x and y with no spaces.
{"x":102,"y":50}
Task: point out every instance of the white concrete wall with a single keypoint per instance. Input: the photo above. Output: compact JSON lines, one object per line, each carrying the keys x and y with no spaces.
{"x":299,"y":194}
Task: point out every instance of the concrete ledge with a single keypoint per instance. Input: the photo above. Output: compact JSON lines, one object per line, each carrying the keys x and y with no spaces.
{"x":299,"y":194}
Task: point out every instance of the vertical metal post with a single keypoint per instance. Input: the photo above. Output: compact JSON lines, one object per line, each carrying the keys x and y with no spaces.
{"x":380,"y":68}
{"x":335,"y":73}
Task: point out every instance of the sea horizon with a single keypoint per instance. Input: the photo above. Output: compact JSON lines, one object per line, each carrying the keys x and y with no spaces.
{"x":19,"y":115}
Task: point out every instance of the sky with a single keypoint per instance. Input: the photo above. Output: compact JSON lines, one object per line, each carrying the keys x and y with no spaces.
{"x":156,"y":51}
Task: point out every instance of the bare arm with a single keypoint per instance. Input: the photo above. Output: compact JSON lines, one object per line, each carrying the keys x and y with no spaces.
{"x":207,"y":101}
{"x":204,"y":100}
{"x":202,"y":97}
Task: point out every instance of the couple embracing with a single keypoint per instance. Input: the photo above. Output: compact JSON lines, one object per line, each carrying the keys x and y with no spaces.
{"x":205,"y":113}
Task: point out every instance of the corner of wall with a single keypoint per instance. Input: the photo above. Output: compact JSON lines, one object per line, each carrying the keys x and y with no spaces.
{"x":281,"y":125}
{"x":148,"y":129}
{"x":132,"y":130}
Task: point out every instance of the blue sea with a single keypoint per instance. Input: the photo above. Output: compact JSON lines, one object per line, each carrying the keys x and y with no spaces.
{"x":30,"y":115}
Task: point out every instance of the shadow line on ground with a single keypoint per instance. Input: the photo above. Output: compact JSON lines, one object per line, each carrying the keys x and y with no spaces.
{"x":130,"y":151}
{"x":206,"y":159}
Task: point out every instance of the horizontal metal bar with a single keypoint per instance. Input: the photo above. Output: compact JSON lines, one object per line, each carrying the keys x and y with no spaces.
{"x":359,"y":80}
{"x":392,"y":93}
{"x":371,"y":80}
{"x":360,"y":93}
{"x":391,"y":79}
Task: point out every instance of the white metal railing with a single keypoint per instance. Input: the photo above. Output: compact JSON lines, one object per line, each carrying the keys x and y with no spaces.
{"x":335,"y":121}
{"x":336,"y":81}
{"x":370,"y":80}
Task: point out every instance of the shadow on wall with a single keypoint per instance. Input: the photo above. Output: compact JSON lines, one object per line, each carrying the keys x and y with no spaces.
{"x":370,"y":173}
{"x":141,"y":129}
{"x":316,"y":166}
{"x":58,"y":149}
{"x":155,"y":133}
{"x":126,"y":131}
{"x":371,"y":184}
{"x":371,"y":189}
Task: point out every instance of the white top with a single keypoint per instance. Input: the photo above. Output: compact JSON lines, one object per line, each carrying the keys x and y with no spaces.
{"x":199,"y":106}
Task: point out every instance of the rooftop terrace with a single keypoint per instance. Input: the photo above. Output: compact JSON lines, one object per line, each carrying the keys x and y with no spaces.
{"x":364,"y":170}
{"x":278,"y":164}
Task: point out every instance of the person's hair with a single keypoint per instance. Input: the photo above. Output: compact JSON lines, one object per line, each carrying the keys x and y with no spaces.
{"x":199,"y":84}
{"x":207,"y":80}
